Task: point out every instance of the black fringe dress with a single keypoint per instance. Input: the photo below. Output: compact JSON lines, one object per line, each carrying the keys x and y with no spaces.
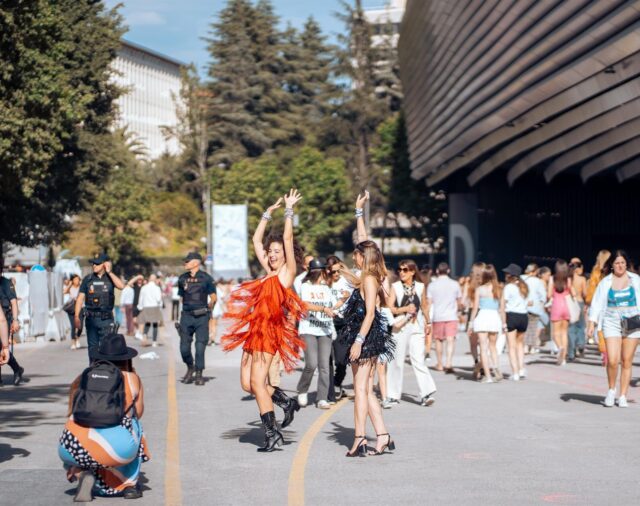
{"x":378,"y":344}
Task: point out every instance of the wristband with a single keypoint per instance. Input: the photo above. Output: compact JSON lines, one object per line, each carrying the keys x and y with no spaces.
{"x":266,"y":216}
{"x":288,"y":212}
{"x":359,"y":212}
{"x":359,"y":339}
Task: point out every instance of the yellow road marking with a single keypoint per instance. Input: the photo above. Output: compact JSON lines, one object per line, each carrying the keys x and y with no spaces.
{"x":172,"y":485}
{"x":296,"y":476}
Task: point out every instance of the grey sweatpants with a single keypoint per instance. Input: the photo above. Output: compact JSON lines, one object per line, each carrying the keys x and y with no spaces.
{"x":316,"y":355}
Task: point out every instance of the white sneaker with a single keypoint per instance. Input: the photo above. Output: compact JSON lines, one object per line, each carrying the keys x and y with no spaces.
{"x":610,"y":399}
{"x":323,"y":404}
{"x":155,"y":345}
{"x":138,"y":336}
{"x":522,"y":373}
{"x":622,"y":402}
{"x":514,"y":377}
{"x":303,"y":400}
{"x":386,"y":404}
{"x":487,"y":380}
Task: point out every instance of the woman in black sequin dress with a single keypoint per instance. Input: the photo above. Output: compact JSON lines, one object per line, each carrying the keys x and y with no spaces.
{"x":367,"y":335}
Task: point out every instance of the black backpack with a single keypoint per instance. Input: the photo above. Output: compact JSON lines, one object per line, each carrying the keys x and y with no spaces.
{"x":99,"y":401}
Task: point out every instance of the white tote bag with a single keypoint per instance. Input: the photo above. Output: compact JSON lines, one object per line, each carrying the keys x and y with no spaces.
{"x":574,"y":308}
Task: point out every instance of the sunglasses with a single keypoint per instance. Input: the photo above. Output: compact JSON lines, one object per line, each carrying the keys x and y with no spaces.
{"x":404,"y":269}
{"x":334,"y":272}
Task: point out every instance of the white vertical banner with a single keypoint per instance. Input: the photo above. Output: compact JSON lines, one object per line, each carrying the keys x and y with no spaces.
{"x":230,"y":241}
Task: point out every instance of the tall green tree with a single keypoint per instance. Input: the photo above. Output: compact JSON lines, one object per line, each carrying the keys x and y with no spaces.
{"x":118,"y":210}
{"x":411,"y":211}
{"x":308,"y":73}
{"x":56,"y":107}
{"x":325,"y":210}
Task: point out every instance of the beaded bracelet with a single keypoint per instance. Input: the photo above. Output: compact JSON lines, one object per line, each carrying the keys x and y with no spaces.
{"x":288,"y":212}
{"x":266,"y":216}
{"x":359,"y":339}
{"x":359,"y":212}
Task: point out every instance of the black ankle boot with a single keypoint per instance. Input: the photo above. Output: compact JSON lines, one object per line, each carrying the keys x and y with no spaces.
{"x":289,"y":405}
{"x":199,"y":379}
{"x":188,"y":377}
{"x":272,"y":436}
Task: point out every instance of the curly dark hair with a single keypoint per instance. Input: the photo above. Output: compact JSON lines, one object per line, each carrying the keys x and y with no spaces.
{"x":297,"y":249}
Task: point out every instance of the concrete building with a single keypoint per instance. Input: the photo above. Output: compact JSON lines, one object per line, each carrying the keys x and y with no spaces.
{"x":151,"y":80}
{"x":384,"y":17}
{"x":527,"y":113}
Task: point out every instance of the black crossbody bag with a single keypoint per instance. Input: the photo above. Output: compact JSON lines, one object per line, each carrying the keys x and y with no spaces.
{"x":630,"y":324}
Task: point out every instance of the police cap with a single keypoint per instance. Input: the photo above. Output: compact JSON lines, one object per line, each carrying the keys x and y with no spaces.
{"x":193,"y":255}
{"x":99,"y":258}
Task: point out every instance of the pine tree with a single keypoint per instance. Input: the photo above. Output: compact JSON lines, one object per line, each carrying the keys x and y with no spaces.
{"x":236,"y":131}
{"x":308,"y":77}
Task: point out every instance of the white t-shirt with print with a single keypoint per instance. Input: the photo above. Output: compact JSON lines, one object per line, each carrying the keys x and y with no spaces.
{"x":317,"y":323}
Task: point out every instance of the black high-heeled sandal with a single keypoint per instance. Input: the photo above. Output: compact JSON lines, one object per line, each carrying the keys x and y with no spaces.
{"x":389,"y":446}
{"x":361,"y":450}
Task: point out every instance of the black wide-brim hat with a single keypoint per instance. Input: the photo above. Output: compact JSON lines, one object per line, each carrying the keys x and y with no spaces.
{"x":113,"y":347}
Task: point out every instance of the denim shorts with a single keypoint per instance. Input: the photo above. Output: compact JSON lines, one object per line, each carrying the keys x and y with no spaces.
{"x":612,"y":322}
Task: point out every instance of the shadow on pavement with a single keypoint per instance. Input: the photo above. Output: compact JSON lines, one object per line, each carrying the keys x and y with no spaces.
{"x":590,"y":399}
{"x":340,"y":434}
{"x":8,"y":452}
{"x":255,"y":435}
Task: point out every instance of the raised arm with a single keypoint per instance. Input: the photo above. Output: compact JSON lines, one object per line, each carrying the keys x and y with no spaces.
{"x":258,"y":235}
{"x":361,"y":227}
{"x":117,"y":282}
{"x":290,"y":200}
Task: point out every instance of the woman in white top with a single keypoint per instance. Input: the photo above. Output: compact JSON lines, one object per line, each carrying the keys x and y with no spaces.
{"x":72,"y":290}
{"x":613,"y":308}
{"x":514,"y":306}
{"x":487,"y":322}
{"x":150,"y":306}
{"x":318,"y":333}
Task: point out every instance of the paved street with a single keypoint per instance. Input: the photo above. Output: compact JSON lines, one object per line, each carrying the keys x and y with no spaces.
{"x":544,"y":440}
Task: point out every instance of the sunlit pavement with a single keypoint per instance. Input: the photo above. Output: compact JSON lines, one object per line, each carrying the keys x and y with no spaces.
{"x":547,"y":439}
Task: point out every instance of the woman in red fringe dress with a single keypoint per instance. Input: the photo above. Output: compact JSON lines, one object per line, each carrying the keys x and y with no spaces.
{"x":264,"y":314}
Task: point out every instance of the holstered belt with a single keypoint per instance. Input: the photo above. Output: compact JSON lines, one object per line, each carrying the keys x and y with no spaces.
{"x":103,"y":315}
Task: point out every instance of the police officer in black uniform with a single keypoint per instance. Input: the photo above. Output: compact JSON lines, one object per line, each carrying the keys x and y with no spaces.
{"x":97,"y":295}
{"x":198,"y":292}
{"x":9,"y":302}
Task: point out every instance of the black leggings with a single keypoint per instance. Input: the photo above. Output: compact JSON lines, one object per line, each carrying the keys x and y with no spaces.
{"x":155,"y":330}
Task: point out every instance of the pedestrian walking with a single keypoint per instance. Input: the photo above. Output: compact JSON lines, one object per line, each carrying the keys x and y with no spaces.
{"x":175,"y":301}
{"x":9,"y":303}
{"x":263,"y":315}
{"x":514,"y":307}
{"x":297,"y":283}
{"x":614,"y":310}
{"x":559,"y":290}
{"x":445,"y":298}
{"x":198,"y":293}
{"x":126,"y":302}
{"x":596,"y":275}
{"x":71,"y":291}
{"x":537,"y":315}
{"x":366,"y":333}
{"x":408,"y":298}
{"x":487,"y":322}
{"x":137,"y":287}
{"x":341,"y":290}
{"x":316,"y":328}
{"x":150,"y":306}
{"x":468,"y":298}
{"x":97,"y":297}
{"x":103,"y":445}
{"x":577,"y":329}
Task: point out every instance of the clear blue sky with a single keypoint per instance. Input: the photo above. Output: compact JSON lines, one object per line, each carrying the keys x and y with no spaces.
{"x":176,"y":27}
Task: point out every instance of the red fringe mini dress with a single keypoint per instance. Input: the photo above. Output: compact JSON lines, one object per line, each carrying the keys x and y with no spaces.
{"x":264,"y":316}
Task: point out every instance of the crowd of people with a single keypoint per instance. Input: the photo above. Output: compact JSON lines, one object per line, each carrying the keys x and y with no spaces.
{"x":332,"y":317}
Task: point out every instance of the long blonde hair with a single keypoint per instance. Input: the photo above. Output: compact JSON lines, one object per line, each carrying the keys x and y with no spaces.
{"x":490,"y":276}
{"x":601,"y":260}
{"x":475,"y":278}
{"x":372,"y":265}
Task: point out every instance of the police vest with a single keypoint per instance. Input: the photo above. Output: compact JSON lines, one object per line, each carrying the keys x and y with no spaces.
{"x":195,"y":293}
{"x":100,"y":295}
